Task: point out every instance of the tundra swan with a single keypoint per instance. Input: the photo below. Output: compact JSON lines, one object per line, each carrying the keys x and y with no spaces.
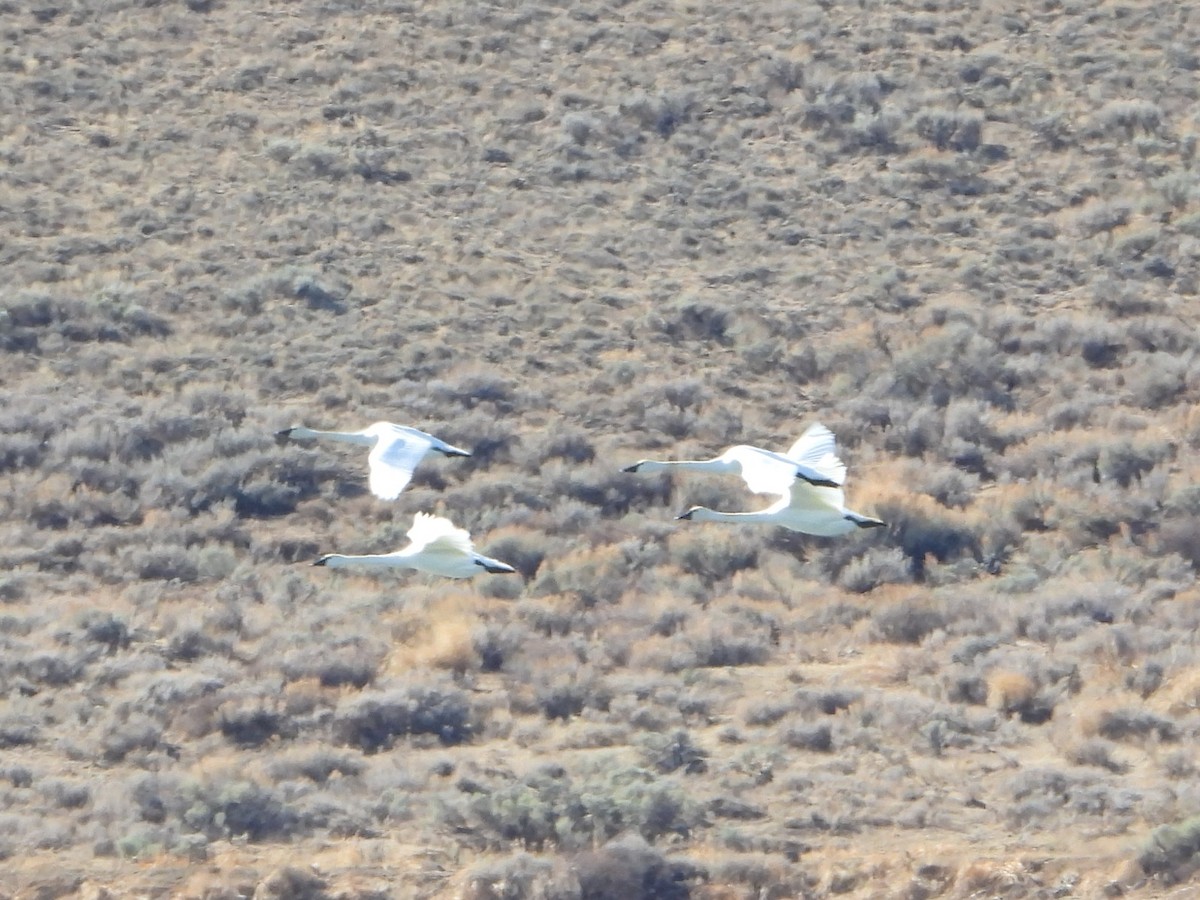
{"x":808,"y":482}
{"x":804,"y":508}
{"x":395,"y":451}
{"x":813,"y":458}
{"x":437,"y":547}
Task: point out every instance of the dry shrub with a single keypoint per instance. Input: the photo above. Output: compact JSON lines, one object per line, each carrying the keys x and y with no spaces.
{"x":451,"y":646}
{"x":252,"y":725}
{"x":561,"y":695}
{"x":1009,"y":692}
{"x":1180,"y":696}
{"x":1126,"y":723}
{"x":595,"y":575}
{"x":715,"y":552}
{"x":992,"y":878}
{"x":1172,"y":854}
{"x":373,"y":721}
{"x":876,"y":567}
{"x":908,"y":621}
{"x":1096,"y":752}
{"x":435,"y":640}
{"x":630,"y":869}
{"x":291,"y":883}
{"x":353,"y":664}
{"x":817,"y":738}
{"x":722,"y":640}
{"x":1125,"y":717}
{"x":1015,"y":692}
{"x":520,"y":876}
{"x":520,"y":547}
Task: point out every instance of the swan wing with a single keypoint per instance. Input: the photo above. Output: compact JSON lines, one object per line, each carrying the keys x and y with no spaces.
{"x":392,"y":460}
{"x":809,"y":498}
{"x":816,"y":450}
{"x":763,"y":471}
{"x":435,"y":533}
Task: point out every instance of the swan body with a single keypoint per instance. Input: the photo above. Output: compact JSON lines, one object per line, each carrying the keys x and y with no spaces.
{"x":810,"y":510}
{"x":395,"y":451}
{"x":437,"y":546}
{"x":807,"y":480}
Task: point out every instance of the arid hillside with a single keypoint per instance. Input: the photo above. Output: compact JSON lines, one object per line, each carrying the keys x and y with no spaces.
{"x":966,"y":237}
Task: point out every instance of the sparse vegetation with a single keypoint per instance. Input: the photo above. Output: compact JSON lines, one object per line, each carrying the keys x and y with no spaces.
{"x":570,"y":238}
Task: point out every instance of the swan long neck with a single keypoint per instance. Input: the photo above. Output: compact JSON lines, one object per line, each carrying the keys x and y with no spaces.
{"x":704,"y":514}
{"x":370,"y":561}
{"x":698,"y":465}
{"x":346,"y":437}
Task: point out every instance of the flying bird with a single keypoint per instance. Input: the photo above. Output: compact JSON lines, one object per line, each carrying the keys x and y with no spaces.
{"x":437,"y":546}
{"x":813,"y":459}
{"x":395,"y":451}
{"x":807,"y":480}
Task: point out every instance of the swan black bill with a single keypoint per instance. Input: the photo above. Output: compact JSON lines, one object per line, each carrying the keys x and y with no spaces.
{"x":281,"y":437}
{"x":868,"y":523}
{"x":632,"y":468}
{"x":322,"y":561}
{"x":685,"y":515}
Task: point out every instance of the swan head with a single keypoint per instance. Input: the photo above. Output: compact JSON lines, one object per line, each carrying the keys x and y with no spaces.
{"x":699,"y":513}
{"x":647,"y":465}
{"x":295,"y":433}
{"x":867,"y":522}
{"x":323,"y":561}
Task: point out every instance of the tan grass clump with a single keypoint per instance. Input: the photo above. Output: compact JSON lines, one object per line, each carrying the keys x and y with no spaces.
{"x":435,"y":640}
{"x":1180,"y":696}
{"x":1009,"y":691}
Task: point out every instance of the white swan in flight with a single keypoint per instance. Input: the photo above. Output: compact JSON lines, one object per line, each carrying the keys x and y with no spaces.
{"x":808,"y":482}
{"x":437,"y":547}
{"x":811,"y":510}
{"x":813,"y":458}
{"x":395,"y":451}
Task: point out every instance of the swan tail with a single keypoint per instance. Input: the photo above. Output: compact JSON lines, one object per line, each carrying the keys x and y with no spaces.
{"x":815,"y":479}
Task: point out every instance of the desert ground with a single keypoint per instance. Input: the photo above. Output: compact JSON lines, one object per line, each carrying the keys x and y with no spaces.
{"x":965,"y":237}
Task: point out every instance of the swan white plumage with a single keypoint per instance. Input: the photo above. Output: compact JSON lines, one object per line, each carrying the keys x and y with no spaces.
{"x":813,"y":459}
{"x":808,"y":482}
{"x":437,"y":546}
{"x":395,"y":451}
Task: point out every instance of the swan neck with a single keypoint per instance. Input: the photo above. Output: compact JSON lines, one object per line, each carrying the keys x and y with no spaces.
{"x":697,"y":465}
{"x":704,"y":514}
{"x":341,"y":561}
{"x":346,"y":437}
